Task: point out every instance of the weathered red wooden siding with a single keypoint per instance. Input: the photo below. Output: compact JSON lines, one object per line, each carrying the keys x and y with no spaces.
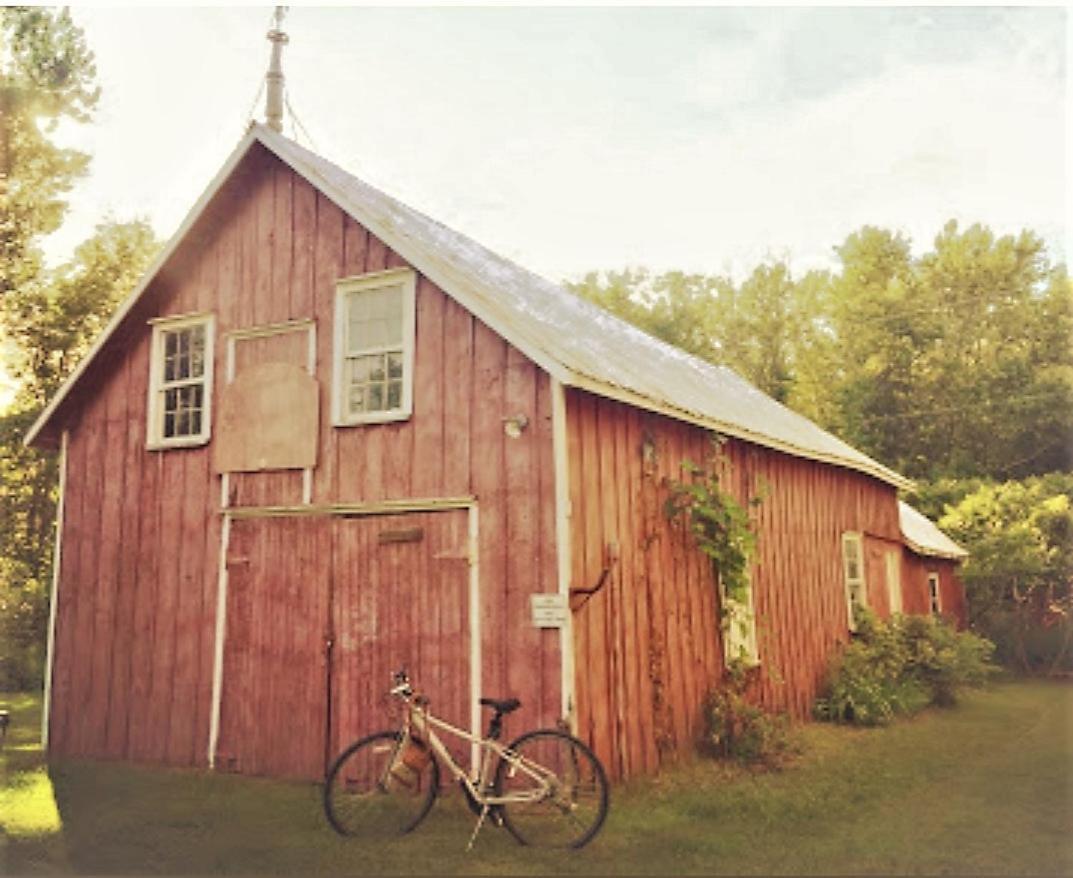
{"x":915,"y":586}
{"x":648,"y":645}
{"x":137,"y":604}
{"x":876,"y":551}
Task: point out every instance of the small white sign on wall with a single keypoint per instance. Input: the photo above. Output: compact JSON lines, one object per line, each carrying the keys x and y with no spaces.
{"x":549,"y":610}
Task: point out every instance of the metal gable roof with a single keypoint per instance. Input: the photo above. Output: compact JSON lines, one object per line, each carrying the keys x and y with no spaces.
{"x":575,"y":341}
{"x":923,"y":536}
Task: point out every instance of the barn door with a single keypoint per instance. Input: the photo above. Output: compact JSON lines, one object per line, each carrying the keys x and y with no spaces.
{"x":273,"y":711}
{"x":400,"y":598}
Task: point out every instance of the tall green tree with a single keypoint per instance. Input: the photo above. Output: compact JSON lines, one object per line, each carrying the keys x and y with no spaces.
{"x":55,"y":321}
{"x":995,"y":382}
{"x":47,"y":74}
{"x":758,"y":326}
{"x":47,"y":317}
{"x":869,"y":366}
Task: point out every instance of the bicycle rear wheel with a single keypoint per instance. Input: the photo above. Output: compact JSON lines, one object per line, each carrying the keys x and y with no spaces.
{"x":369,"y":794}
{"x":565,"y":804}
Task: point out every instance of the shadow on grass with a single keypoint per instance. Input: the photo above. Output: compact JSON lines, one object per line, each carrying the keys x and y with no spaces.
{"x":122,"y":819}
{"x":981,"y":789}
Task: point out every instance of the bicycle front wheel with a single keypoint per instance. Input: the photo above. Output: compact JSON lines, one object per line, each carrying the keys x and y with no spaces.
{"x":370,"y":793}
{"x":555,"y":790}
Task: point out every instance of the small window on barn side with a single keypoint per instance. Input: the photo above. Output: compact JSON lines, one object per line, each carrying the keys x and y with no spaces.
{"x":180,"y":381}
{"x":894,"y":583}
{"x":374,"y":348}
{"x":934,"y":594}
{"x":853,"y":568}
{"x":739,"y":627}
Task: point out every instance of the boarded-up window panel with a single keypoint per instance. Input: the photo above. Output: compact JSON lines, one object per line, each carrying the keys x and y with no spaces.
{"x":281,"y":347}
{"x":269,"y":417}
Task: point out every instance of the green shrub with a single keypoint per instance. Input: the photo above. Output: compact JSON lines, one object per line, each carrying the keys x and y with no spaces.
{"x":1040,"y":647}
{"x":739,"y":730}
{"x":900,"y":667}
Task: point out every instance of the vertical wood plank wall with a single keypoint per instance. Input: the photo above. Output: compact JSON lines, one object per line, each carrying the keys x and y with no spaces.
{"x":137,"y":603}
{"x":915,"y":590}
{"x":648,"y":644}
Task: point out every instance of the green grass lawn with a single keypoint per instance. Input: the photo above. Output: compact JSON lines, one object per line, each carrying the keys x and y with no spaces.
{"x":984,"y":788}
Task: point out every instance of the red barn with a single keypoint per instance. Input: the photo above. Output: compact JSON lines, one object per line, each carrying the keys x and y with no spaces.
{"x":931,"y":559}
{"x":327,"y":436}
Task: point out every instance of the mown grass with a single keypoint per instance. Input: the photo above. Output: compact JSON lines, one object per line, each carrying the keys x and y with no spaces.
{"x":982,"y":789}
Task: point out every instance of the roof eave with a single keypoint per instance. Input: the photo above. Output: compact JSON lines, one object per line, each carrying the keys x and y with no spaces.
{"x":929,"y":552}
{"x":872,"y":468}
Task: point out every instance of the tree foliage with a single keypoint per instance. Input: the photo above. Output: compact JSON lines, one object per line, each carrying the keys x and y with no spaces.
{"x":47,"y":74}
{"x":1019,"y":574}
{"x":956,"y":363}
{"x":56,"y":319}
{"x":48,"y":317}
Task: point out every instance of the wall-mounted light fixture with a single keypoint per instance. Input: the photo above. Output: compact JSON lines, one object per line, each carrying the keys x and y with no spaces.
{"x":514,"y":425}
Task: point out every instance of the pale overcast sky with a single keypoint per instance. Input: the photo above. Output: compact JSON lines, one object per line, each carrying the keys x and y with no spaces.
{"x":568,"y":139}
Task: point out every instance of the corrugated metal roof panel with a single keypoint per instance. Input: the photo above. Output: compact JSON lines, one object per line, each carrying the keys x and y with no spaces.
{"x":592,"y":348}
{"x":923,"y":536}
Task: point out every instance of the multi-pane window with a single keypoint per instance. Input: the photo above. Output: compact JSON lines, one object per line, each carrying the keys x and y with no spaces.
{"x":180,"y":381}
{"x":934,"y":599}
{"x":853,"y":568}
{"x":374,"y":347}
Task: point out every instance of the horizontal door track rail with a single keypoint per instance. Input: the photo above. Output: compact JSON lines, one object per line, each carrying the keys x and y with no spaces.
{"x":376,"y":507}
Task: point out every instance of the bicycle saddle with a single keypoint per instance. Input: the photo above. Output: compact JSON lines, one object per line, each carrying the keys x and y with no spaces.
{"x":504,"y":706}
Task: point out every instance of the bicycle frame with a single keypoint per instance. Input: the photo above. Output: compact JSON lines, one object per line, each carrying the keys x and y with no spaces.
{"x":419,"y":719}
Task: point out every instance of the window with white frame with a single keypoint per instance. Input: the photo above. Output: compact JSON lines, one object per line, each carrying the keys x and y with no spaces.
{"x":894,"y":583}
{"x":739,"y":627}
{"x":180,"y":381}
{"x":853,"y":568}
{"x":374,"y":348}
{"x":934,"y":594}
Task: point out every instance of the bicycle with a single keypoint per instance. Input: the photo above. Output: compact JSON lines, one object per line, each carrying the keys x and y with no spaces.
{"x":548,"y":788}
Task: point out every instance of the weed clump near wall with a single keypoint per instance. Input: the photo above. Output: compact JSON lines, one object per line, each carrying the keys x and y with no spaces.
{"x":900,"y":667}
{"x":738,"y":730}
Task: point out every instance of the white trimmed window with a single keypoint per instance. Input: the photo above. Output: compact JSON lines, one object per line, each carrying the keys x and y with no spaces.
{"x":894,"y":583}
{"x":739,"y":627}
{"x":374,"y":348}
{"x":853,"y":568}
{"x":180,"y":381}
{"x":934,"y":594}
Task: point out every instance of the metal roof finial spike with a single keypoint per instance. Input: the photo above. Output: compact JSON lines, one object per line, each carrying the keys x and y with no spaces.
{"x":274,"y":77}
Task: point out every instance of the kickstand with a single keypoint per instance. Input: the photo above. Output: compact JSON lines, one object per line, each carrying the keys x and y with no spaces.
{"x":477,"y":828}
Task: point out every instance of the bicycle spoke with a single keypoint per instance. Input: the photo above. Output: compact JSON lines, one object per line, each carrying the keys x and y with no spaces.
{"x":566,"y":811}
{"x":370,"y":792}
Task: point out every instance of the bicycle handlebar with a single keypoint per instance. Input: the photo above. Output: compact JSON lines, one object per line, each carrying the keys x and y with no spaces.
{"x":402,"y":683}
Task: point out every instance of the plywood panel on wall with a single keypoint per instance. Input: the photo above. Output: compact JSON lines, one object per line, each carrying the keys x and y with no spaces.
{"x":267,"y":420}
